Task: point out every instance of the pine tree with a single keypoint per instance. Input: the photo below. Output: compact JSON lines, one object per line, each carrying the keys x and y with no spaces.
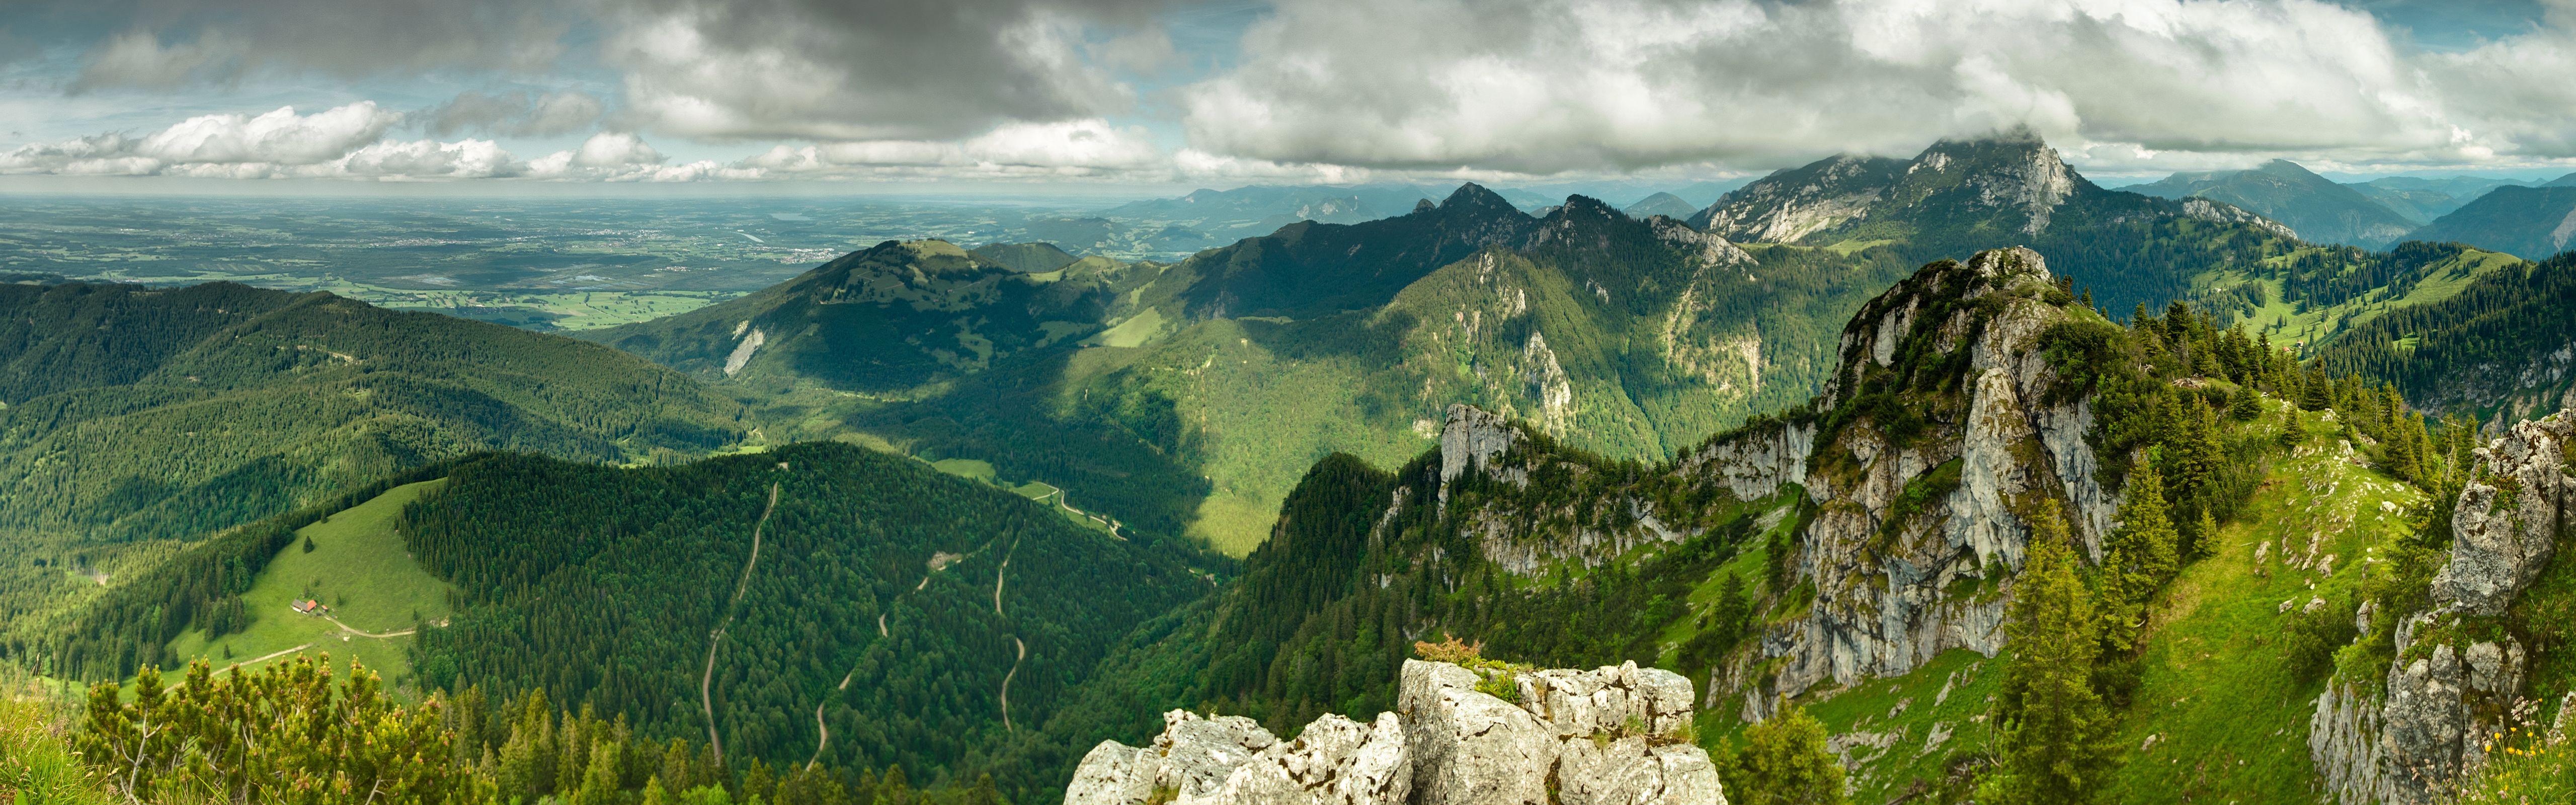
{"x":2293,"y":432}
{"x":1783,"y":762}
{"x":2316,"y":392}
{"x":2246,"y":405}
{"x":2055,"y":728}
{"x":599,"y":783}
{"x":653,"y":793}
{"x":983,"y":792}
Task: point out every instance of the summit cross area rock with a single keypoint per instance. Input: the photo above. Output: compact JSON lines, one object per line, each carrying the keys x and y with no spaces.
{"x":1598,"y":737}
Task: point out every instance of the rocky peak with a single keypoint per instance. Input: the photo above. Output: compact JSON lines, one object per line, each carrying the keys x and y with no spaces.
{"x":1472,"y":198}
{"x":1976,"y":442}
{"x":2013,"y":170}
{"x":1606,"y":736}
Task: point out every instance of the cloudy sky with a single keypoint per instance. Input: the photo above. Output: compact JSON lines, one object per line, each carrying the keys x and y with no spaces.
{"x":1073,"y":93}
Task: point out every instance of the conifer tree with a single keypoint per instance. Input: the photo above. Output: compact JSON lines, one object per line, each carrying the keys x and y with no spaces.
{"x":2246,"y":405}
{"x":2055,"y":727}
{"x":1783,"y":762}
{"x":2139,"y":555}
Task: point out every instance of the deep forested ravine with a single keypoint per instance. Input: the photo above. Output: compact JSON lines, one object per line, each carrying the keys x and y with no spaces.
{"x":706,"y":681}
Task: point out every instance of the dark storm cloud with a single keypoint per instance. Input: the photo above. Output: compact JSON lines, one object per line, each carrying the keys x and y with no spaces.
{"x":737,"y":69}
{"x":517,"y":113}
{"x":169,"y":44}
{"x":828,"y":70}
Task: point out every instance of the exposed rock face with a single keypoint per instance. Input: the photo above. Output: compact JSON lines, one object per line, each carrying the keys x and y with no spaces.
{"x":2033,"y":183}
{"x":1471,"y":440}
{"x":1477,"y":441}
{"x":1793,"y":204}
{"x":2208,"y":210}
{"x":1598,"y":734}
{"x":1901,"y":521}
{"x":2444,"y":692}
{"x":2510,"y":519}
{"x":1754,"y":463}
{"x":1336,"y":761}
{"x":1193,"y":757}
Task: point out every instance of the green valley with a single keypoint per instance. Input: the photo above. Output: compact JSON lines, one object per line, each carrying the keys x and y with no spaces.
{"x":357,"y":567}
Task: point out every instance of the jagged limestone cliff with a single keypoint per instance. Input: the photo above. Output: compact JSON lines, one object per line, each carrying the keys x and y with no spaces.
{"x":1943,"y":432}
{"x":1612,"y":735}
{"x":2459,"y":670}
{"x":1945,"y":428}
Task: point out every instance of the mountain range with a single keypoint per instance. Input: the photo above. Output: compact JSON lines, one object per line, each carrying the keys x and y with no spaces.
{"x":2320,"y":210}
{"x":1846,"y":445}
{"x":1187,"y":397}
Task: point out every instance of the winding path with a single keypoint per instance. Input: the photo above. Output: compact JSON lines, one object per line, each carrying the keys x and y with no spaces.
{"x":364,"y":633}
{"x":1006,"y":683}
{"x":266,"y":657}
{"x":1057,"y":492}
{"x":706,"y":681}
{"x":998,"y":575}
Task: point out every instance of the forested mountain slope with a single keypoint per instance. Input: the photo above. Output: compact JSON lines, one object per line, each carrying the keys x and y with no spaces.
{"x":2502,"y":349}
{"x":1187,"y":398}
{"x":2320,"y":210}
{"x":2422,"y":199}
{"x":816,"y":602}
{"x":2535,"y":223}
{"x":885,"y":320}
{"x":137,"y":415}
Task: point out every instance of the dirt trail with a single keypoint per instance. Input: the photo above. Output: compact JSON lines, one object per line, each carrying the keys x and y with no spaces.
{"x":1057,"y":493}
{"x":706,"y":681}
{"x":266,"y":657}
{"x":999,"y":574}
{"x":364,"y":633}
{"x":997,"y":579}
{"x":1006,"y":684}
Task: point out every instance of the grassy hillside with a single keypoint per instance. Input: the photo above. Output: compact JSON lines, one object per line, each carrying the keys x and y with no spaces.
{"x":2227,"y":682}
{"x":2316,"y":294}
{"x":360,"y":568}
{"x":138,"y":419}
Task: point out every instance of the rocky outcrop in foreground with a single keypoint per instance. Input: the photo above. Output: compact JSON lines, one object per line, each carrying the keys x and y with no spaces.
{"x":2447,"y":690}
{"x":1608,"y":735}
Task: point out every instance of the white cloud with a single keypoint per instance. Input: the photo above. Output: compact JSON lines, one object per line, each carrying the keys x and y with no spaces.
{"x":1078,"y":148}
{"x":280,"y":136}
{"x":463,"y":159}
{"x":614,"y":150}
{"x":344,"y":142}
